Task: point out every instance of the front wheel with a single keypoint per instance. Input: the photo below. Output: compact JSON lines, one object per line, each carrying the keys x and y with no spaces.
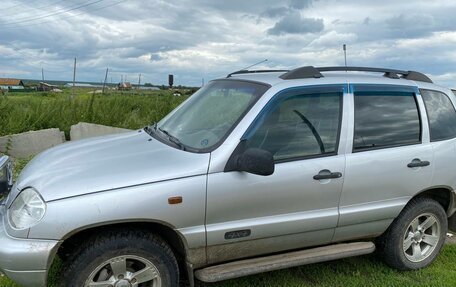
{"x":416,"y":236}
{"x":122,"y":259}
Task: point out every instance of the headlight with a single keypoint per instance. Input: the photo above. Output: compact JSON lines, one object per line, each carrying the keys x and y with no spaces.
{"x":27,"y":209}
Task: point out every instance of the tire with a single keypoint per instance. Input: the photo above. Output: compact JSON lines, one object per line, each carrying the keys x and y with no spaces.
{"x":122,"y":258}
{"x":405,"y":246}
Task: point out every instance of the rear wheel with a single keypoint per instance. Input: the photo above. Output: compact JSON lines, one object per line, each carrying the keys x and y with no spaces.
{"x":123,"y":259}
{"x":416,"y":236}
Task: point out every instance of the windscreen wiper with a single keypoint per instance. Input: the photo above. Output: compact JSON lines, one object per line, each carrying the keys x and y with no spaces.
{"x":173,"y":139}
{"x":151,"y":128}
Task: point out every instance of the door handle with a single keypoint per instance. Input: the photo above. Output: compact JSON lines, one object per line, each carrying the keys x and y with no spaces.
{"x":327,"y":174}
{"x":416,"y":162}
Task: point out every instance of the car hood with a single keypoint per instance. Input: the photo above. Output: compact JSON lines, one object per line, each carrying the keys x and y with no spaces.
{"x":107,"y":163}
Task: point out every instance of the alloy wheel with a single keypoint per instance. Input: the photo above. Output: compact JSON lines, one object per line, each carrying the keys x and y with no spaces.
{"x":125,"y":271}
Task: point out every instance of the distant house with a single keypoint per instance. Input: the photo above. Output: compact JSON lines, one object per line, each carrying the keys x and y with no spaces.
{"x":82,"y":85}
{"x":125,"y":86}
{"x":45,"y":87}
{"x":148,"y":88}
{"x":11,"y":84}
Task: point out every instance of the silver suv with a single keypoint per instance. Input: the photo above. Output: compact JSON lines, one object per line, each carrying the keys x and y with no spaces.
{"x":255,"y":172}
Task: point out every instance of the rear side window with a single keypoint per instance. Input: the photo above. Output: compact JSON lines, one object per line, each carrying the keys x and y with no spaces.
{"x":441,"y":115}
{"x":385,"y":119}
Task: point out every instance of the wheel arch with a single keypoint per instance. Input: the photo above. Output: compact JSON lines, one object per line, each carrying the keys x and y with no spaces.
{"x":171,"y":236}
{"x":444,"y":195}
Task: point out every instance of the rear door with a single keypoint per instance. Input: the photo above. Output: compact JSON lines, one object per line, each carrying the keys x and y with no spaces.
{"x":390,"y":158}
{"x":441,"y":116}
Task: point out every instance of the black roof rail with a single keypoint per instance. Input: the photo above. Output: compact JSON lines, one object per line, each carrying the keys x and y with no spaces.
{"x":253,"y":72}
{"x":312,"y":72}
{"x":303,"y":72}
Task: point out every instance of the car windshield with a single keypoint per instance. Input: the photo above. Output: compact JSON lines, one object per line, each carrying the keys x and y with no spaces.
{"x":203,"y":121}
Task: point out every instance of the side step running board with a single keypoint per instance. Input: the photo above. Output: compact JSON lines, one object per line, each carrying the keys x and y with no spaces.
{"x":275,"y":262}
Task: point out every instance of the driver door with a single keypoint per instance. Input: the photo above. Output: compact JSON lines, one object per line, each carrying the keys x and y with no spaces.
{"x":296,"y":206}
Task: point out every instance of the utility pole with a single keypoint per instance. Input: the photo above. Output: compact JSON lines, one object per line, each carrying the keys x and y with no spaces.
{"x":42,"y":75}
{"x":345,"y":54}
{"x":74,"y":77}
{"x":104,"y":83}
{"x":139,"y":81}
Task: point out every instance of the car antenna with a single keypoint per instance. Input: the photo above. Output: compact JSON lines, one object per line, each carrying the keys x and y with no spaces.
{"x":246,"y":68}
{"x":260,"y":62}
{"x":344,"y":47}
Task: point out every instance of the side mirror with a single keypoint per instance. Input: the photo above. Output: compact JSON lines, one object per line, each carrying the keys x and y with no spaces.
{"x":6,"y":175}
{"x":256,"y":161}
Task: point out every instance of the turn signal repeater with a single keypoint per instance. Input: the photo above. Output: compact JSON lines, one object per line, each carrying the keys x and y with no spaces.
{"x":175,"y":200}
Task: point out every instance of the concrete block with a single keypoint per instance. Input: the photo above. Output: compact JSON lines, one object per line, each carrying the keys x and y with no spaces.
{"x":30,"y":143}
{"x":86,"y":130}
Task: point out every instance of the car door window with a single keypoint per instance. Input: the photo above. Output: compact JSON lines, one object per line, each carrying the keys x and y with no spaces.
{"x":441,"y":115}
{"x":385,"y":119}
{"x":300,"y":126}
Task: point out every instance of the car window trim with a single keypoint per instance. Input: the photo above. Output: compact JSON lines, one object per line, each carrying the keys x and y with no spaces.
{"x":427,"y":114}
{"x":306,"y":90}
{"x":367,"y":88}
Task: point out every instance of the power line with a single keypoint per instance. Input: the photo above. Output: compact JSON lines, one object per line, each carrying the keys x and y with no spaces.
{"x":12,"y":7}
{"x":70,"y":16}
{"x":53,"y":14}
{"x":29,"y":63}
{"x":31,"y":8}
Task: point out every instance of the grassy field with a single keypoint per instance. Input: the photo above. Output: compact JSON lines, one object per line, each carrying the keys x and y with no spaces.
{"x":22,"y":112}
{"x":19,"y":113}
{"x":352,"y":272}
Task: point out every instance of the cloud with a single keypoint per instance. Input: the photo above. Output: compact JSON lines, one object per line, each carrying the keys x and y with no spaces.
{"x":294,"y":23}
{"x":204,"y":38}
{"x":300,"y":4}
{"x":275,"y":12}
{"x":411,"y":25}
{"x":333,"y":38}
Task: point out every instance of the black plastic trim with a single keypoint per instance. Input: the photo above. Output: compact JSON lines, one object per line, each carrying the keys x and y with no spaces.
{"x":254,"y":72}
{"x":313,"y":72}
{"x":303,"y":72}
{"x":385,"y":147}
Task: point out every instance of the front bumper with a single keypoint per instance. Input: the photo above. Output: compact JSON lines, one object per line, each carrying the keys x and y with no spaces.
{"x":25,"y":261}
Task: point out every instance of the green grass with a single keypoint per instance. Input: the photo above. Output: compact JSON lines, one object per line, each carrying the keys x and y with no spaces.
{"x":351,"y":272}
{"x":357,"y":271}
{"x":20,"y":113}
{"x":24,"y":112}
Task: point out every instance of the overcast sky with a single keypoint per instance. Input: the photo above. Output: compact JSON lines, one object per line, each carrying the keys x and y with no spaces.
{"x":195,"y":39}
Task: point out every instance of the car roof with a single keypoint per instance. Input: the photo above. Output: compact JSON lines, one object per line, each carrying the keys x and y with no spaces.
{"x":273,"y":78}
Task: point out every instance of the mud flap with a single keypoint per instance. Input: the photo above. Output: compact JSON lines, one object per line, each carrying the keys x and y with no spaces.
{"x":452,"y":223}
